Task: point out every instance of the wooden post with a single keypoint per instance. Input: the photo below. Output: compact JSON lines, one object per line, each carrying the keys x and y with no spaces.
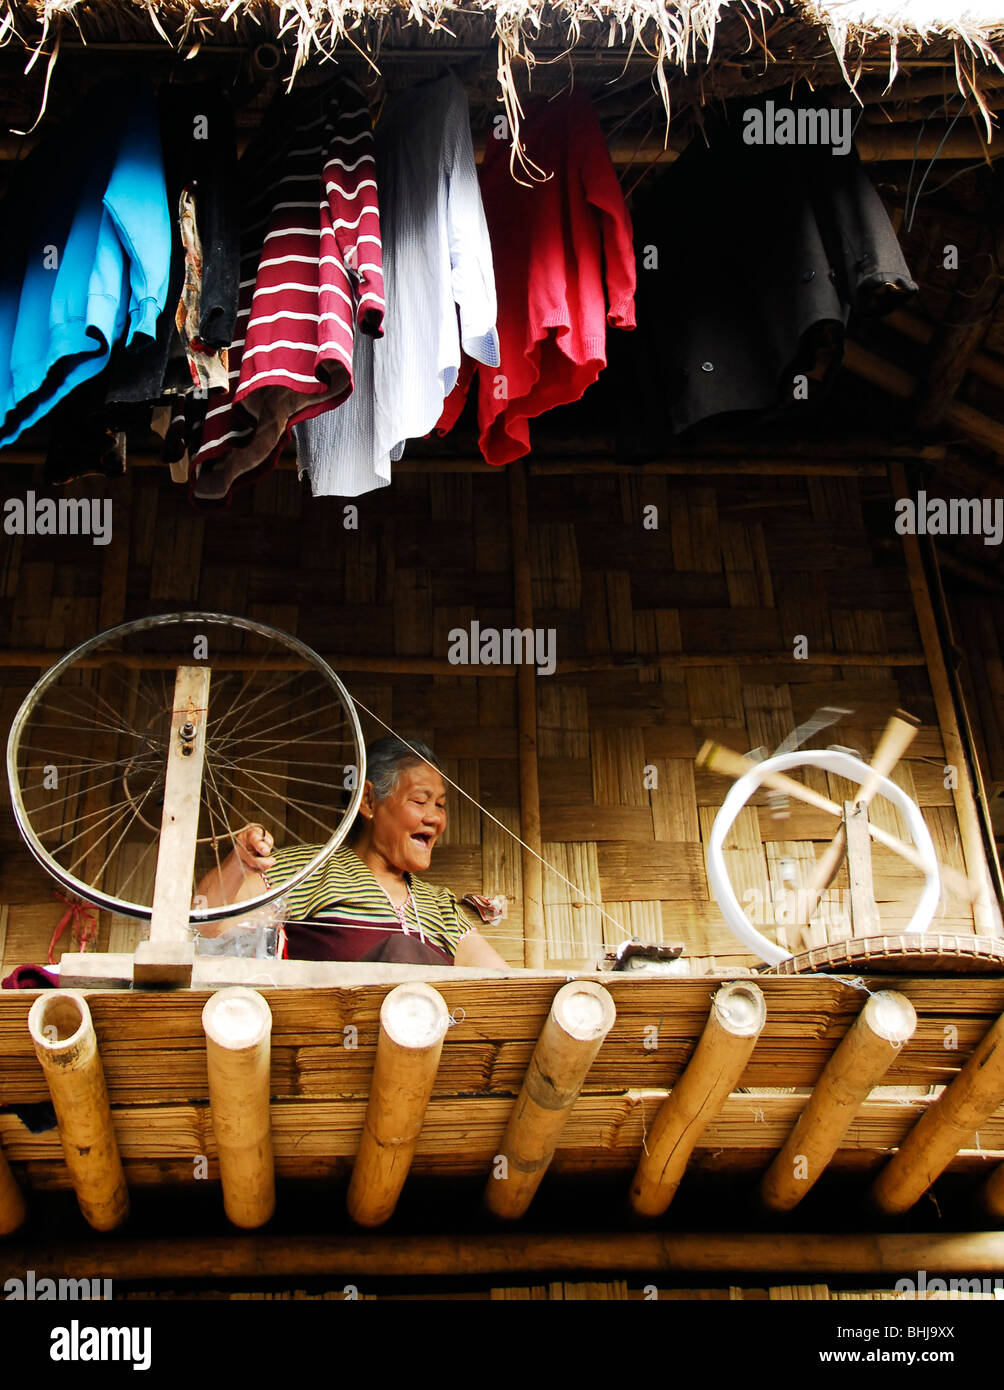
{"x":238,"y":1026}
{"x":168,"y":957}
{"x":869,"y":1047}
{"x":985,"y":916}
{"x":864,"y":913}
{"x":737,"y":1016}
{"x":940,"y":1132}
{"x":13,"y":1208}
{"x":534,"y":940}
{"x":896,"y":738}
{"x":581,"y":1016}
{"x":413,"y":1023}
{"x":63,"y":1035}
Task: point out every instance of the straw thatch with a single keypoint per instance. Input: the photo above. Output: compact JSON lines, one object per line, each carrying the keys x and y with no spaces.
{"x":806,"y":37}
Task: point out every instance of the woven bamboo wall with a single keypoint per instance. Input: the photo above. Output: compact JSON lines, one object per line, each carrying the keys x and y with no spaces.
{"x":736,"y":571}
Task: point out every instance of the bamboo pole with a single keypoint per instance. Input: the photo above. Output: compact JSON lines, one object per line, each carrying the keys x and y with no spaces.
{"x":534,"y":932}
{"x":65,"y":1044}
{"x":942,"y":1130}
{"x":413,"y":1023}
{"x":581,"y":1016}
{"x":985,"y":915}
{"x":13,"y":1208}
{"x":869,"y":1047}
{"x":375,"y":1255}
{"x":737,"y":1017}
{"x":238,"y":1026}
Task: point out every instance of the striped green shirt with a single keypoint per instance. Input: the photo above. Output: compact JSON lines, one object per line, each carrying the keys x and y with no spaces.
{"x":344,"y":894}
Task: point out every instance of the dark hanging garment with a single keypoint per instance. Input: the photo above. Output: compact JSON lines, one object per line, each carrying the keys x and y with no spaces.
{"x":750,"y":259}
{"x":200,"y":154}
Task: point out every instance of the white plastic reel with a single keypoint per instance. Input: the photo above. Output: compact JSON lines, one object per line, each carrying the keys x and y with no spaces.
{"x":845,"y":766}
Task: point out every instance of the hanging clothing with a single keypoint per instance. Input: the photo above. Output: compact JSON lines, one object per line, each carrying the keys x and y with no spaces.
{"x":207,"y":368}
{"x":311,"y":274}
{"x":564,"y":269}
{"x":438,"y":266}
{"x":86,"y":257}
{"x":342,"y":913}
{"x":751,"y":258}
{"x":200,"y":160}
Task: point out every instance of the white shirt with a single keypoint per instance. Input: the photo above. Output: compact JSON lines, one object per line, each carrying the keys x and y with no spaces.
{"x":437,"y":264}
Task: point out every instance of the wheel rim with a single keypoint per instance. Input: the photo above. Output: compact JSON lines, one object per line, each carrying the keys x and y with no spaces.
{"x":251,"y":763}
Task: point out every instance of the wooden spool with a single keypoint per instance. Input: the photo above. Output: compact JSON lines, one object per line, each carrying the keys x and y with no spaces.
{"x":870,"y":1046}
{"x":582,"y":1014}
{"x":940,"y":1132}
{"x":238,"y":1027}
{"x":737,"y":1017}
{"x":413,"y":1023}
{"x":13,"y":1208}
{"x":62,"y":1032}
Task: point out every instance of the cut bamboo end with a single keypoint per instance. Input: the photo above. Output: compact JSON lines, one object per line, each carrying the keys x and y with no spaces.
{"x":872,"y":1043}
{"x":413,"y":1023}
{"x":65,"y":1044}
{"x":942,"y":1130}
{"x":737,"y":1017}
{"x":582,"y":1014}
{"x":238,"y":1026}
{"x":13,"y":1207}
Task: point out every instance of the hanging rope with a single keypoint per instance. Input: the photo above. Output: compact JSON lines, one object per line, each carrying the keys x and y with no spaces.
{"x":82,"y":921}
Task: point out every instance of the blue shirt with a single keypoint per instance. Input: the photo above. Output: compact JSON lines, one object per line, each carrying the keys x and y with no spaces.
{"x":86,"y":280}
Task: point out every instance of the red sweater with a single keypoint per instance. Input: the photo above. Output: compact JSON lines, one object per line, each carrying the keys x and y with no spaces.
{"x":564,"y":270}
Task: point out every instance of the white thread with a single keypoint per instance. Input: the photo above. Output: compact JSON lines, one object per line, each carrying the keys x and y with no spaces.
{"x":452,"y":1020}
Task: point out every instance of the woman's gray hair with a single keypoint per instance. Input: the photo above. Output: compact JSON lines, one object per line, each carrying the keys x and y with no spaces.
{"x":387,"y":757}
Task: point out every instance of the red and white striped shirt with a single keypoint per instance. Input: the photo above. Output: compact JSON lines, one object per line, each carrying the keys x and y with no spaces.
{"x":311,"y":266}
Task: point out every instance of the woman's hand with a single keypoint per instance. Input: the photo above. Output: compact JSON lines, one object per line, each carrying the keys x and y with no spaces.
{"x":235,"y":878}
{"x":253,"y":846}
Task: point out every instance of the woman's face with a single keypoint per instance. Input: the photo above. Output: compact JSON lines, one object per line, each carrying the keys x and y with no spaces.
{"x":407,"y":824}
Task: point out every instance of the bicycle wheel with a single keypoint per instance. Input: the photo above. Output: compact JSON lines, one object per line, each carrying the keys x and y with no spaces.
{"x":87,"y":755}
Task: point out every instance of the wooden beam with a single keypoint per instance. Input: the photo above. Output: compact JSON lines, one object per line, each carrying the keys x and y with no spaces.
{"x":580,"y":1018}
{"x":65,"y":1044}
{"x":942,"y":1131}
{"x":13,"y":1208}
{"x":986,"y":915}
{"x":238,"y":1025}
{"x":169,"y":955}
{"x":972,"y":308}
{"x":868,"y":1049}
{"x":41,"y":658}
{"x":737,"y":1016}
{"x":531,"y":852}
{"x":405,"y":1256}
{"x":413,"y":1022}
{"x":897,"y":382}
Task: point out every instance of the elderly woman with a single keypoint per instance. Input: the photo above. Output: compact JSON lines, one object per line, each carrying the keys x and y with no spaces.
{"x":365,"y":902}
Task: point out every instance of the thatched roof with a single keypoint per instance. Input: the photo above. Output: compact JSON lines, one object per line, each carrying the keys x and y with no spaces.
{"x":804,"y":36}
